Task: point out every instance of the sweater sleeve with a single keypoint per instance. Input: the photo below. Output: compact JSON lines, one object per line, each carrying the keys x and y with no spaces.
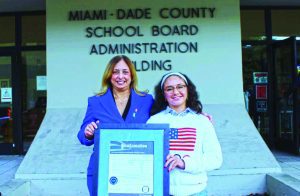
{"x":207,"y":156}
{"x":87,"y":119}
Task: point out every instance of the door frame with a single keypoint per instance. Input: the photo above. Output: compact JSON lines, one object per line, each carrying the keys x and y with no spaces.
{"x":280,"y":143}
{"x":17,"y":69}
{"x":16,"y":147}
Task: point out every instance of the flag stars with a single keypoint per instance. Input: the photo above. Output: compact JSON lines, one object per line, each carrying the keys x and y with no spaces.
{"x":173,"y":133}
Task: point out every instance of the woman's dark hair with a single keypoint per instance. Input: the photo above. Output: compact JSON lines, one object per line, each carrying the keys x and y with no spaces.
{"x":192,"y":101}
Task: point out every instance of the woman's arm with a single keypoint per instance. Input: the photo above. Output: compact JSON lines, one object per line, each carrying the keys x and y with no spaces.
{"x":89,"y":118}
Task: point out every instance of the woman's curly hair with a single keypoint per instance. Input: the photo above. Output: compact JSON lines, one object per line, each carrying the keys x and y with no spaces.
{"x":160,"y":103}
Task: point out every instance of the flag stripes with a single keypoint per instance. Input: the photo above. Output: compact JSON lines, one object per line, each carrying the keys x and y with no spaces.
{"x":182,"y":139}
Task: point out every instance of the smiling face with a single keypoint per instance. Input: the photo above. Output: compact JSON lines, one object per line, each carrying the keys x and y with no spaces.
{"x":121,"y":76}
{"x":175,"y":92}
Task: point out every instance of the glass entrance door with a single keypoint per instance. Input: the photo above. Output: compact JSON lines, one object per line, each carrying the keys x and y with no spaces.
{"x":286,"y":93}
{"x":6,"y":106}
{"x":34,"y":94}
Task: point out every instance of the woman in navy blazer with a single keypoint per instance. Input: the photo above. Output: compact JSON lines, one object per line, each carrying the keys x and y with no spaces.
{"x":118,"y":102}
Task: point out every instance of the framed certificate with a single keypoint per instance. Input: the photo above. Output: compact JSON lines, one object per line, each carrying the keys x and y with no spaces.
{"x":130,"y":159}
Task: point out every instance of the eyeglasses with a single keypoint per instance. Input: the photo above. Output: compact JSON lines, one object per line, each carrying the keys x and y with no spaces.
{"x":179,"y":87}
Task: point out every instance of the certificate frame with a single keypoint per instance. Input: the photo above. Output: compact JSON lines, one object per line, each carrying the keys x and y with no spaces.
{"x":156,"y":135}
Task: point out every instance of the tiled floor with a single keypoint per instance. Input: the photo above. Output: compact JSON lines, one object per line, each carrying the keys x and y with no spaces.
{"x":289,"y":163}
{"x":8,"y":167}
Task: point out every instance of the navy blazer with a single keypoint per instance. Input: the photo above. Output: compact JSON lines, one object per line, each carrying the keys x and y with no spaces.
{"x":104,"y":109}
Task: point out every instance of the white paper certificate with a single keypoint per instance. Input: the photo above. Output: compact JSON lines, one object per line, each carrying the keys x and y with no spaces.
{"x":131,"y":168}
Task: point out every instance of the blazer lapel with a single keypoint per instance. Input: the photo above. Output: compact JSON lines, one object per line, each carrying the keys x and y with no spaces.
{"x":110,"y":106}
{"x":134,"y":105}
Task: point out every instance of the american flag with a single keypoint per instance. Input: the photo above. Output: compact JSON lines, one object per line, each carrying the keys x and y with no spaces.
{"x":182,"y":139}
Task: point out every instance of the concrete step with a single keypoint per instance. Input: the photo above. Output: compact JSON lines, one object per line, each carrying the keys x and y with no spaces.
{"x":282,"y":184}
{"x":38,"y":187}
{"x":238,"y":184}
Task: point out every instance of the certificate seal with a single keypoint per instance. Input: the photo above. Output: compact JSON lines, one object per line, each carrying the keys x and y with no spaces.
{"x":145,"y":189}
{"x":113,"y":180}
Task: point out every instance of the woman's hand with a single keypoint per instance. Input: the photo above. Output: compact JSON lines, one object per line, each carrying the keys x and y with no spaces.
{"x":90,"y":129}
{"x":173,"y":161}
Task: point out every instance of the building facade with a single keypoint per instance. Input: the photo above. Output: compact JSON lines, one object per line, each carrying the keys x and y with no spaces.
{"x":243,"y":59}
{"x":275,"y":114}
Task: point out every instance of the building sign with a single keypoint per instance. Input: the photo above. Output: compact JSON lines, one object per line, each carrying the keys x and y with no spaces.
{"x":6,"y":95}
{"x":41,"y":83}
{"x":261,"y":106}
{"x":261,"y":91}
{"x":128,"y":33}
{"x":260,"y":77}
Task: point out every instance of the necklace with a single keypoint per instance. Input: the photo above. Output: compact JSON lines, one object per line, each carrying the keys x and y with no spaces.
{"x":121,"y":100}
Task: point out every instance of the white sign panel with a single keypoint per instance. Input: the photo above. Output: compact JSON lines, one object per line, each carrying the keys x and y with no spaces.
{"x":6,"y":95}
{"x":41,"y":83}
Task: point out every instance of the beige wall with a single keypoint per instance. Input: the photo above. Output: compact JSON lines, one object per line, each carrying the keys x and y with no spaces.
{"x":215,"y":67}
